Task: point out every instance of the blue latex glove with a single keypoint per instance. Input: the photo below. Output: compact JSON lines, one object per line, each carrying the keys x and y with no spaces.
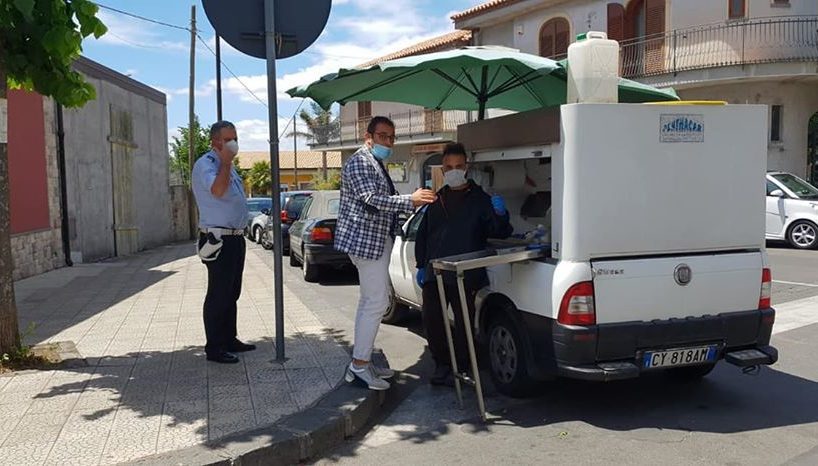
{"x":499,"y":204}
{"x":420,"y":277}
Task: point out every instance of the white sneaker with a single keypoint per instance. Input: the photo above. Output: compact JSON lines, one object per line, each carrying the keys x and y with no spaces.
{"x":367,"y":376}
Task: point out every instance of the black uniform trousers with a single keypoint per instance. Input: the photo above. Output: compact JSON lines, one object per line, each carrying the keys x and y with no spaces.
{"x":223,"y":290}
{"x":433,"y":323}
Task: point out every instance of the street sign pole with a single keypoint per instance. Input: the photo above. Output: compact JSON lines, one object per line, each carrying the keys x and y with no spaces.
{"x":278,"y":282}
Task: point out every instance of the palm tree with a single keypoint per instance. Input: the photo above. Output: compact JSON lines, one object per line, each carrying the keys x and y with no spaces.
{"x":322,"y":125}
{"x":259,"y":179}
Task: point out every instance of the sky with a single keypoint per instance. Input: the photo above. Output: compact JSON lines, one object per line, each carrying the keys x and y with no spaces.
{"x":158,"y":55}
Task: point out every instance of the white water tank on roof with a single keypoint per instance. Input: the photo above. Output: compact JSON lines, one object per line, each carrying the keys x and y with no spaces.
{"x":593,"y":69}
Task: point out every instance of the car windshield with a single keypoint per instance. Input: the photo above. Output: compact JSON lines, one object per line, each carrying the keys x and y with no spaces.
{"x":801,"y":188}
{"x":256,"y":205}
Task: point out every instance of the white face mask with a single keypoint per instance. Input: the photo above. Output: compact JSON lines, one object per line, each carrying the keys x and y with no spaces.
{"x":232,"y":146}
{"x":454,"y":178}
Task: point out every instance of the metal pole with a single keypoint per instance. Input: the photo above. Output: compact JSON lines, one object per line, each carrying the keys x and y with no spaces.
{"x":464,"y":306}
{"x":441,"y":290}
{"x":295,"y":153}
{"x":191,"y":130}
{"x":270,"y":44}
{"x":218,"y":78}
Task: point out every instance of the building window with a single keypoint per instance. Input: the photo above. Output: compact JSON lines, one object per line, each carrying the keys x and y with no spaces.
{"x":775,"y":123}
{"x":737,"y":9}
{"x":554,"y":38}
{"x":616,"y":21}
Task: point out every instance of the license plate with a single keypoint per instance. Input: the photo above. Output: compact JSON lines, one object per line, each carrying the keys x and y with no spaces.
{"x":679,"y":357}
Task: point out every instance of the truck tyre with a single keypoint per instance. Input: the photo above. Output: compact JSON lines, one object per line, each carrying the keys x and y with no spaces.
{"x":310,"y":270}
{"x":803,"y":234}
{"x":507,"y":355}
{"x":396,"y":311}
{"x":690,"y":373}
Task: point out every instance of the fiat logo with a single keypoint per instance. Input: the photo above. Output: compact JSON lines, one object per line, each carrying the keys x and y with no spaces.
{"x":682,"y":274}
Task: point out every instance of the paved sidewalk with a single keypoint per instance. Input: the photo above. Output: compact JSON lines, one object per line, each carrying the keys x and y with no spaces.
{"x":147,"y":387}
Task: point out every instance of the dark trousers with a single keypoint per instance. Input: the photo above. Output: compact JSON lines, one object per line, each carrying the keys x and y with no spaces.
{"x":223,"y":290}
{"x":433,"y":324}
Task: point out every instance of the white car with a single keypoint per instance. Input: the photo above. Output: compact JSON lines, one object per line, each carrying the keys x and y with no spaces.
{"x":792,"y":210}
{"x":406,"y":294}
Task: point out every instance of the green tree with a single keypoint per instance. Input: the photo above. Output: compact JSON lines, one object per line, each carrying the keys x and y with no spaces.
{"x":322,"y":125}
{"x":180,"y":145}
{"x":39,"y":41}
{"x":259,"y":178}
{"x":331,"y":182}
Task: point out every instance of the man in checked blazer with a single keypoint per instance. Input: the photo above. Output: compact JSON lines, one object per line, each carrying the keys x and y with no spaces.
{"x":367,"y":222}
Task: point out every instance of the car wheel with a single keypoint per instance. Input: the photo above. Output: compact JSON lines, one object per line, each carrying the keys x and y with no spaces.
{"x":803,"y":234}
{"x":507,"y":357}
{"x":257,"y":231}
{"x":293,"y":260}
{"x":396,"y":311}
{"x":690,"y":373}
{"x":266,"y":241}
{"x":310,"y":270}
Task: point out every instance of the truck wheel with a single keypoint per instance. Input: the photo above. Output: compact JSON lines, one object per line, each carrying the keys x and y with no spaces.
{"x":507,"y":356}
{"x":803,"y":234}
{"x":690,"y":373}
{"x":396,"y":311}
{"x":310,"y":271}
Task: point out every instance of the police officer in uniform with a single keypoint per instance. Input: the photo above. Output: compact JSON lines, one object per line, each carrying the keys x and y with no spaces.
{"x":223,"y":212}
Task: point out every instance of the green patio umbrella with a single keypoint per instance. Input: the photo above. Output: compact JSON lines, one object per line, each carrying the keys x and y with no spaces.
{"x":469,"y":78}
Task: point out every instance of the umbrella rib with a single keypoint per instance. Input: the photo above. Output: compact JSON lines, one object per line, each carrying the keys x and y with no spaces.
{"x":513,"y":82}
{"x":389,"y":81}
{"x":494,"y":78}
{"x":455,"y":82}
{"x":524,"y":80}
{"x":471,"y":81}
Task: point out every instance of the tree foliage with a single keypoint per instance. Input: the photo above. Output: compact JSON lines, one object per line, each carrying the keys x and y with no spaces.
{"x":180,"y":145}
{"x":259,"y":178}
{"x":39,"y":41}
{"x":331,"y":182}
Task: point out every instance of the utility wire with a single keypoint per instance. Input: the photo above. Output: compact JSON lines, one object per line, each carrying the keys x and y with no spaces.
{"x":262,"y":102}
{"x":105,"y":7}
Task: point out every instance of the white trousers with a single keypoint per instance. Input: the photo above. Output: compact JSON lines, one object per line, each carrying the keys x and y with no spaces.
{"x":374,"y":299}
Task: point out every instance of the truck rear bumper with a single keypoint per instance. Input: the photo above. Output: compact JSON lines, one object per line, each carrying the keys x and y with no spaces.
{"x":607,"y":352}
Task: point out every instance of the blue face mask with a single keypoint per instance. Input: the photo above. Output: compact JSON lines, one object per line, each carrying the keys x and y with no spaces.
{"x":381,"y":152}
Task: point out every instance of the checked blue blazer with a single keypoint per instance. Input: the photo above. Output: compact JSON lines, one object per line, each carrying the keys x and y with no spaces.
{"x":369,"y":207}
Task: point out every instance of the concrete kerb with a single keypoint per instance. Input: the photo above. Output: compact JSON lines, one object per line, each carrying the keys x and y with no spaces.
{"x":340,"y":414}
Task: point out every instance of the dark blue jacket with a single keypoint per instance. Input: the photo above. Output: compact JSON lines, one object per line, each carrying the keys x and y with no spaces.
{"x":443,"y":232}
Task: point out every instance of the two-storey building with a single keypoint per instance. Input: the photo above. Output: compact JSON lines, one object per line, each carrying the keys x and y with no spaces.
{"x":739,"y":51}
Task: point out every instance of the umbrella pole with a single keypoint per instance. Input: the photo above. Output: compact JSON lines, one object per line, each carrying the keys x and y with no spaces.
{"x":481,"y":112}
{"x":483,"y":96}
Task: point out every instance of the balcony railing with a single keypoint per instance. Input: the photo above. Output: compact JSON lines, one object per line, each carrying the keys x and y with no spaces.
{"x":408,"y":124}
{"x":745,"y":42}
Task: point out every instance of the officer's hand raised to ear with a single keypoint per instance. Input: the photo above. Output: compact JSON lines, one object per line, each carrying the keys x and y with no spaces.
{"x":423,"y":196}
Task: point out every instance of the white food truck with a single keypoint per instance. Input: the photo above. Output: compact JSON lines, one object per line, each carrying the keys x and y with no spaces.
{"x":656,"y":259}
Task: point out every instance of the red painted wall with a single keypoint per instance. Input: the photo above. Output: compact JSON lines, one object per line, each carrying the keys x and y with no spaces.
{"x":27,"y":162}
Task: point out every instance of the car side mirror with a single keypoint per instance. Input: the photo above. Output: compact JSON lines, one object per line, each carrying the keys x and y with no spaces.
{"x":777,"y":193}
{"x":265,"y":211}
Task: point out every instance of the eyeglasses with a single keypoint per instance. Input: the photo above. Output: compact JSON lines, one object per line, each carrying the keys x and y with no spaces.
{"x":386,"y":137}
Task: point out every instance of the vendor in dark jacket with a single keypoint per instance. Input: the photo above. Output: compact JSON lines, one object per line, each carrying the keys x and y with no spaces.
{"x":462,"y":219}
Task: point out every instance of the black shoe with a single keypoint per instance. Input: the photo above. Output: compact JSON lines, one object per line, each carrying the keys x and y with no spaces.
{"x":442,"y":376}
{"x":239,"y":347}
{"x":223,"y":357}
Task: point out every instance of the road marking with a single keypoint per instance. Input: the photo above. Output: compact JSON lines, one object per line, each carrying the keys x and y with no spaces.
{"x":811,"y":285}
{"x":795,"y":314}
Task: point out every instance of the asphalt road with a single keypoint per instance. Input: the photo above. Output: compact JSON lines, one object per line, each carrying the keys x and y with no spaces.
{"x":728,"y":418}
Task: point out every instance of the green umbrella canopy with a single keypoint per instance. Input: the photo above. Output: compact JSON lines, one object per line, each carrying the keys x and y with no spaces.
{"x":469,"y":78}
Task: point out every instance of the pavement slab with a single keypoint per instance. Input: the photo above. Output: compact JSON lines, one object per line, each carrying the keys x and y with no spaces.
{"x":143,"y":386}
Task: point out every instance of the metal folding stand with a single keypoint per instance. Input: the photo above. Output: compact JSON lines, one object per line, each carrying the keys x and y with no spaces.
{"x":459,"y":264}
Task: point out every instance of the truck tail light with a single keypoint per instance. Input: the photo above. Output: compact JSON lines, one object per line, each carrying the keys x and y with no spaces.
{"x":766,"y":289}
{"x":321,"y":235}
{"x":577,"y":307}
